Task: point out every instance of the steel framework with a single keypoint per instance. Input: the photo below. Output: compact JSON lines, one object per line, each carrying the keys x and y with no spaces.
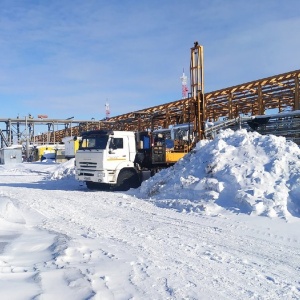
{"x":275,"y":94}
{"x":280,"y":93}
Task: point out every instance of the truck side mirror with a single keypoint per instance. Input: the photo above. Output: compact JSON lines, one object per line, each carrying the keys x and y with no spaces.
{"x":112,"y":145}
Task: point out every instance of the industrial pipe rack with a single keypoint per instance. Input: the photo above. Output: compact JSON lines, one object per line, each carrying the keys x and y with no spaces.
{"x":279,"y":93}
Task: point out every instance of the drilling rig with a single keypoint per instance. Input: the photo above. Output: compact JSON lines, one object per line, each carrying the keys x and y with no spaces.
{"x":197,"y":90}
{"x":123,"y":159}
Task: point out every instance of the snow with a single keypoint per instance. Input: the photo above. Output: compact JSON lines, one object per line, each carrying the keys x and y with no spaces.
{"x":244,"y":172}
{"x":223,"y":223}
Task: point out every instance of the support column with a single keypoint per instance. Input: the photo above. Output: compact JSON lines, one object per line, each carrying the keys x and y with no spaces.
{"x":297,"y":94}
{"x":167,"y":118}
{"x":49,"y":133}
{"x":54,"y":140}
{"x":261,"y":104}
{"x":10,"y":133}
{"x":230,"y":113}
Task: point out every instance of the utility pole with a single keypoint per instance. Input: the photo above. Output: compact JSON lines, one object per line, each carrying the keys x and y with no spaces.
{"x":27,"y":140}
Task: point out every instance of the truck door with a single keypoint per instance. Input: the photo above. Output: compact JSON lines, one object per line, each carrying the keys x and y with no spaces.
{"x":118,"y":151}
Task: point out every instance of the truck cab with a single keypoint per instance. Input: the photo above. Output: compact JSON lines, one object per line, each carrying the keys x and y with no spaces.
{"x":120,"y":160}
{"x":106,"y":158}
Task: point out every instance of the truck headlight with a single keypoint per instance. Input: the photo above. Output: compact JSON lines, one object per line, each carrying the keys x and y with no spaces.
{"x":100,"y":174}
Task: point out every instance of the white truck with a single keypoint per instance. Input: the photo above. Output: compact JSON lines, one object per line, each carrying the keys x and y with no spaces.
{"x":120,"y":160}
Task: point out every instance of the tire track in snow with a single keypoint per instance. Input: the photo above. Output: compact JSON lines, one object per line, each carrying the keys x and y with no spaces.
{"x":184,"y":256}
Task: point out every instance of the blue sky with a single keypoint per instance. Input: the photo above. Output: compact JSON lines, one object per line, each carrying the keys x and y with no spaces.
{"x":68,"y":58}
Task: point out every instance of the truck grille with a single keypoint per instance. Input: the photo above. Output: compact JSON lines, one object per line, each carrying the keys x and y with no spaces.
{"x":86,"y":174}
{"x":90,"y":165}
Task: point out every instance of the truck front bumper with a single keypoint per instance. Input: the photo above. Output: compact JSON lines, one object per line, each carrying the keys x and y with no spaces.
{"x":89,"y":175}
{"x":95,"y":176}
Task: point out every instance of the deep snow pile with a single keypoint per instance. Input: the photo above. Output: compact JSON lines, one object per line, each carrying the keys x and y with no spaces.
{"x":58,"y":241}
{"x":242,"y":171}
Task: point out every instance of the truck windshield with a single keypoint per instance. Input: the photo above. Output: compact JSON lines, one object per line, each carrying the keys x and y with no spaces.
{"x":93,"y":142}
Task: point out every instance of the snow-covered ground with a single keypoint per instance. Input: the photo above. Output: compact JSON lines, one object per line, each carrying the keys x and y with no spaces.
{"x":223,"y":223}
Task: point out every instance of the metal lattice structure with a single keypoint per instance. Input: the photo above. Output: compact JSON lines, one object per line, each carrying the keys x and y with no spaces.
{"x":280,"y":92}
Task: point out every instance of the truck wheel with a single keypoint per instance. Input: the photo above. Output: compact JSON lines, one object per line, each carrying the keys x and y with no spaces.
{"x":127,"y":179}
{"x":91,"y":185}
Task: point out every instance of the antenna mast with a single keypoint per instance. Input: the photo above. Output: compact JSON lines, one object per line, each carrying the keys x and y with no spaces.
{"x":184,"y":87}
{"x":107,"y":111}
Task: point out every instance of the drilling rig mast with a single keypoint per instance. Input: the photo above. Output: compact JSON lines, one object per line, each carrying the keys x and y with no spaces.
{"x":197,"y":90}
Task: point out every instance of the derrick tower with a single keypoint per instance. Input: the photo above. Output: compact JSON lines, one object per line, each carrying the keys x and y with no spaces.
{"x":197,"y":88}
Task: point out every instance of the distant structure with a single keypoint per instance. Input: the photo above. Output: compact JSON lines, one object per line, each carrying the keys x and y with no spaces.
{"x":184,"y":86}
{"x":107,"y":111}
